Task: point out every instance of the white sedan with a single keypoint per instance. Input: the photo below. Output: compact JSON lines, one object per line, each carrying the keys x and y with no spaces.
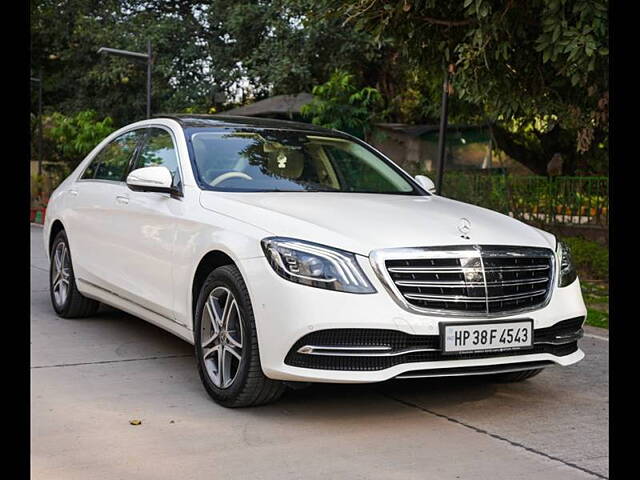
{"x":290,"y":253}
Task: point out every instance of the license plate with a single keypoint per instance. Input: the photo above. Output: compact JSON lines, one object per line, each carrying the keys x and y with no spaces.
{"x":487,"y":336}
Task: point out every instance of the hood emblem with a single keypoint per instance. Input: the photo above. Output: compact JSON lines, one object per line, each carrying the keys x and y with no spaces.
{"x":464,"y":227}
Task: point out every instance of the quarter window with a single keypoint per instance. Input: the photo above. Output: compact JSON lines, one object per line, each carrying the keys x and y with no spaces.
{"x":158,"y":150}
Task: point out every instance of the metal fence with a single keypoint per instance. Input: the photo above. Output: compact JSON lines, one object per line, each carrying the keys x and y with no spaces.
{"x":537,"y":200}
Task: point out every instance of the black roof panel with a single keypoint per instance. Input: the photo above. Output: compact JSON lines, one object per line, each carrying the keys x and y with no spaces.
{"x":190,"y":120}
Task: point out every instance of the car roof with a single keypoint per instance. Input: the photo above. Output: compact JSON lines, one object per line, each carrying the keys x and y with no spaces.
{"x":230,"y":121}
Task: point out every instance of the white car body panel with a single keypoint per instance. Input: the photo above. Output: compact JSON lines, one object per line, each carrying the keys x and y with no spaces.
{"x":361,"y":222}
{"x":142,"y":256}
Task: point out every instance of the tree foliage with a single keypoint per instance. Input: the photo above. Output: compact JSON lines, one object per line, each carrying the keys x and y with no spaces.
{"x":541,"y":64}
{"x":72,"y":137}
{"x":65,"y":38}
{"x":340,"y":104}
{"x":274,"y":47}
{"x":207,"y":54}
{"x":536,"y":70}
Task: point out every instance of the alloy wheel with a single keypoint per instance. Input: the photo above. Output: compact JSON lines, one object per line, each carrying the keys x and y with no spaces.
{"x":61,"y":274}
{"x":222,"y":337}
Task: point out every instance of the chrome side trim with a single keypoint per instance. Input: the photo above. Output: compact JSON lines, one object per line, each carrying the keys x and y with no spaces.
{"x":562,"y":339}
{"x":98,"y":287}
{"x":493,"y":369}
{"x":360,"y":351}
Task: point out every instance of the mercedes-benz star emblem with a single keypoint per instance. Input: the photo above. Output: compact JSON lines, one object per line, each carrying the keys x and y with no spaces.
{"x":464,"y":227}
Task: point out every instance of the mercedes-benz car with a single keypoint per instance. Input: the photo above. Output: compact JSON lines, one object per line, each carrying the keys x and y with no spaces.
{"x":288,"y":253}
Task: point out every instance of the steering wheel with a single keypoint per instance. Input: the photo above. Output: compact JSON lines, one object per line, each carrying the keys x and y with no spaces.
{"x":227,"y":176}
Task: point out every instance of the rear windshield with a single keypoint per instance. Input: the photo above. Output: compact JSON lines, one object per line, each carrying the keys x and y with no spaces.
{"x":278,"y":161}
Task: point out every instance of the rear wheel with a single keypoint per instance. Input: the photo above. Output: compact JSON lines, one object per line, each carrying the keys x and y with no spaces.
{"x":67,"y":301}
{"x":510,"y":377}
{"x":226,"y":343}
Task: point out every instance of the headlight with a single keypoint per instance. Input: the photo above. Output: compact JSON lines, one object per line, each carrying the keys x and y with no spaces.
{"x":316,"y":265}
{"x":567,"y":272}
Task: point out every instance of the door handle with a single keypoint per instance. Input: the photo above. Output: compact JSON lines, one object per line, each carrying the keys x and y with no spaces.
{"x":122,"y":199}
{"x":73,"y":193}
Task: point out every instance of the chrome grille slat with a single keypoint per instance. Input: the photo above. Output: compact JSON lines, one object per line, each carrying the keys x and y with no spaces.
{"x":445,"y":284}
{"x":459,"y":298}
{"x":477,"y":280}
{"x":466,"y":269}
{"x":518,"y":268}
{"x":432,"y":269}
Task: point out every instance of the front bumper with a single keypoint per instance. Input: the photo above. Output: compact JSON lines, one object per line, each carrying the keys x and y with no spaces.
{"x":285,"y":312}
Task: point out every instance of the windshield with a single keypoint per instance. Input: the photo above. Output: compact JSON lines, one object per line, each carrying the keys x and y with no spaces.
{"x":277,"y":161}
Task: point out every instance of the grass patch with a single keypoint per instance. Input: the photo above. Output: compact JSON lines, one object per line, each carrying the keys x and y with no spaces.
{"x":596,"y":297}
{"x":591,"y":258}
{"x":596,"y":318}
{"x":592,"y":262}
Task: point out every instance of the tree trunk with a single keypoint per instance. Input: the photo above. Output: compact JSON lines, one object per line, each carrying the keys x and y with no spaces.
{"x":510,"y":144}
{"x":535,"y":155}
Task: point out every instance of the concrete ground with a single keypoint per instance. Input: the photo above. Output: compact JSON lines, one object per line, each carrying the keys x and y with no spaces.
{"x":90,"y":377}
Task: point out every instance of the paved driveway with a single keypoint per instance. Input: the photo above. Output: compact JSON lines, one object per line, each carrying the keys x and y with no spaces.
{"x":91,"y":376}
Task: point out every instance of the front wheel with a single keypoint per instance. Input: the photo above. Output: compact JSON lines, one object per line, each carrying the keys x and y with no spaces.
{"x":226,"y":343}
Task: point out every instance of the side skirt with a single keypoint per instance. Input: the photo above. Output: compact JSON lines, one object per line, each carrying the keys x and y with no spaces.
{"x":100,"y":294}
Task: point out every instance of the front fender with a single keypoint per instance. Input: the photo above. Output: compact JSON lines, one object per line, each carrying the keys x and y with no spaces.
{"x":200,"y":233}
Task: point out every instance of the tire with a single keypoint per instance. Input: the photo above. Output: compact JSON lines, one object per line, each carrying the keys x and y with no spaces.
{"x":66,"y":300}
{"x":511,"y":377}
{"x":231,"y":373}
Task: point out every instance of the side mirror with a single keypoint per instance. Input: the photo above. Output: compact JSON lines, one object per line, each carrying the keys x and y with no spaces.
{"x":150,"y":179}
{"x":426,"y":183}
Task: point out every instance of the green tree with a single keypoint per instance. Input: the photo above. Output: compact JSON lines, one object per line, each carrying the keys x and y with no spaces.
{"x":71,"y":138}
{"x":207,"y":54}
{"x":537,"y":70}
{"x":340,"y":104}
{"x":263,"y":48}
{"x":65,"y":37}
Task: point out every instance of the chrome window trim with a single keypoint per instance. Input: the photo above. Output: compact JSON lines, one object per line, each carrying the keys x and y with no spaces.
{"x":377,"y":259}
{"x":99,"y":180}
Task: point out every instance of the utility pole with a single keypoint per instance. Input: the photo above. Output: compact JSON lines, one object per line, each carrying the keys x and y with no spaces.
{"x":143,"y":56}
{"x":39,"y":82}
{"x":442,"y":136}
{"x":149,"y":59}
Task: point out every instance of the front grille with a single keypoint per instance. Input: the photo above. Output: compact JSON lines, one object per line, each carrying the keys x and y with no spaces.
{"x":407,"y":348}
{"x":472,"y":281}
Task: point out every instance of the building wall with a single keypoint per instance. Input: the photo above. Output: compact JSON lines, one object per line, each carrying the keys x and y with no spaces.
{"x":416,"y":155}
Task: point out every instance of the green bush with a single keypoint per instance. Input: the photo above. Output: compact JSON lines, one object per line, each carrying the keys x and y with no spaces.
{"x":590,"y":258}
{"x":73,"y":137}
{"x":340,"y":104}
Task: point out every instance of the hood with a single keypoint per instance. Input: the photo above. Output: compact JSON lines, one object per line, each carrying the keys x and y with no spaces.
{"x":361,"y":222}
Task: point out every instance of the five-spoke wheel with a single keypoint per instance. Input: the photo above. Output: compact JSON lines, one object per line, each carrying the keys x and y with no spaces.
{"x":226,"y":343}
{"x":61,"y":273}
{"x":67,"y":301}
{"x":221,"y":337}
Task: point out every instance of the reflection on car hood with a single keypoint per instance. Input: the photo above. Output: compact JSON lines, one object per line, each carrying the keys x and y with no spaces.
{"x":360,"y":222}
